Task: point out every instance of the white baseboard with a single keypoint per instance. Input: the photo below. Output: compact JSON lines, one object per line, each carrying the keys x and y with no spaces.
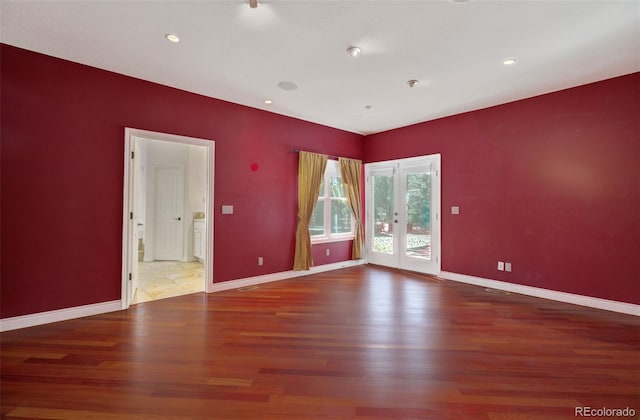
{"x":592,"y":302}
{"x":24,"y":321}
{"x":251,"y":281}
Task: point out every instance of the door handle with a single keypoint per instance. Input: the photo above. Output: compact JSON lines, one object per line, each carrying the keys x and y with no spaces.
{"x":177,"y":218}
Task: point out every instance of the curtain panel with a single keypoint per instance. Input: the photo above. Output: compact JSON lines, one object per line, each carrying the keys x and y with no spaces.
{"x":351,"y":171}
{"x":311,"y":167}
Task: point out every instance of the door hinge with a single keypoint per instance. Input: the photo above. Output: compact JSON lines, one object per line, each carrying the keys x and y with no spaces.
{"x":437,"y":215}
{"x":130,"y":277}
{"x":130,"y":215}
{"x":132,"y":155}
{"x":437,"y":259}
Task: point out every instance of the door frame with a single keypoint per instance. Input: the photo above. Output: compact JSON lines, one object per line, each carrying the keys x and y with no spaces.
{"x":128,"y":204}
{"x":397,"y":165}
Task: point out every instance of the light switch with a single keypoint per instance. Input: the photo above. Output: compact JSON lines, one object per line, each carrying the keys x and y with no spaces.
{"x":455,"y":210}
{"x":227,"y":209}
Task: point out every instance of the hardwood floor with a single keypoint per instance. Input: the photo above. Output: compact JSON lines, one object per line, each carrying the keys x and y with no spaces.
{"x":363,"y":342}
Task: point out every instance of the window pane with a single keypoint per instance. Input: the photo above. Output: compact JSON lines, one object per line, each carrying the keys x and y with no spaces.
{"x":340,"y":216}
{"x":337,"y":190}
{"x":316,"y":227}
{"x":321,"y":193}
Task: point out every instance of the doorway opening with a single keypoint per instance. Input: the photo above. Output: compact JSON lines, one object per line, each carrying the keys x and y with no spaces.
{"x":403,"y":213}
{"x":167,"y":216}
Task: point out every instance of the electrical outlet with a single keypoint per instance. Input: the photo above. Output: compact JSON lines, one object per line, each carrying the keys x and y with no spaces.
{"x":328,"y":252}
{"x":260,"y":261}
{"x":507,"y":267}
{"x":500,"y":266}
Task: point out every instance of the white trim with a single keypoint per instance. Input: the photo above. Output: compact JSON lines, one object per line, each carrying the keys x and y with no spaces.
{"x":127,"y":246}
{"x":267,"y":278}
{"x":407,"y":161}
{"x":334,"y":238}
{"x":57,"y":315}
{"x":332,"y":170}
{"x":592,"y":302}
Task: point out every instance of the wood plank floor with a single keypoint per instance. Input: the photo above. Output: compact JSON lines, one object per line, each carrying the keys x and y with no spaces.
{"x":361,"y":343}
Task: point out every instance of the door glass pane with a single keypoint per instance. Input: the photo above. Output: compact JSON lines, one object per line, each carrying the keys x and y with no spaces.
{"x":383,"y":213}
{"x":418,"y":210}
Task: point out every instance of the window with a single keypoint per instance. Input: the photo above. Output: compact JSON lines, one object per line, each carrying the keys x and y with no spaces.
{"x":331,"y":219}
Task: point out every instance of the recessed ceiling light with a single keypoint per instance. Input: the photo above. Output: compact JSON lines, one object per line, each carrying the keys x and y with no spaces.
{"x":268,"y":101}
{"x":354,"y":51}
{"x":285,"y":85}
{"x":172,"y":38}
{"x":509,"y":62}
{"x":412,"y":82}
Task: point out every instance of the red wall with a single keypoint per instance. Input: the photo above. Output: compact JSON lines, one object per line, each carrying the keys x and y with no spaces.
{"x":62,"y":175}
{"x":550,"y":183}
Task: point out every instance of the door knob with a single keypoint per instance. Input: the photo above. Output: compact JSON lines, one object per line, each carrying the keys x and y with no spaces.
{"x":177,"y":218}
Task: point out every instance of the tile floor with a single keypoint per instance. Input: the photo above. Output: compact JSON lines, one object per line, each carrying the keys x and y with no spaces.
{"x":164,"y":279}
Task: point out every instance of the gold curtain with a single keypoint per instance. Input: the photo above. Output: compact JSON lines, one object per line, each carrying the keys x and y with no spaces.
{"x":311,"y":168}
{"x":351,"y":170}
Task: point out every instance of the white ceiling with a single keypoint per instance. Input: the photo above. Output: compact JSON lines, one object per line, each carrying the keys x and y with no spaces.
{"x":231,"y":52}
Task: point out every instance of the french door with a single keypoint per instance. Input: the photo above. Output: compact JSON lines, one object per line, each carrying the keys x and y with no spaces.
{"x":403,"y":213}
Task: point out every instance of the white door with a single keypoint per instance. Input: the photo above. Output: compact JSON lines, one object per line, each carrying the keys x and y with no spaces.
{"x":403,"y":213}
{"x":169,"y":218}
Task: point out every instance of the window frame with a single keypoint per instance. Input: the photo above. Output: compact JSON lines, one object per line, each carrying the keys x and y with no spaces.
{"x":332,"y":171}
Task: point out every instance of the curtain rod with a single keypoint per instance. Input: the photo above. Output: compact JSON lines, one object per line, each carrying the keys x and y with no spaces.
{"x":328,"y":156}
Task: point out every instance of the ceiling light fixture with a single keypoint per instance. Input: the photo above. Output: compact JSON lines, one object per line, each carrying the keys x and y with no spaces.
{"x":173,"y":38}
{"x":509,"y":62}
{"x":268,"y":101}
{"x":412,"y":82}
{"x":354,"y":51}
{"x":253,"y":4}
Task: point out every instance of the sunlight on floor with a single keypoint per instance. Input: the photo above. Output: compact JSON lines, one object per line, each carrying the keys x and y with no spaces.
{"x":164,"y":279}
